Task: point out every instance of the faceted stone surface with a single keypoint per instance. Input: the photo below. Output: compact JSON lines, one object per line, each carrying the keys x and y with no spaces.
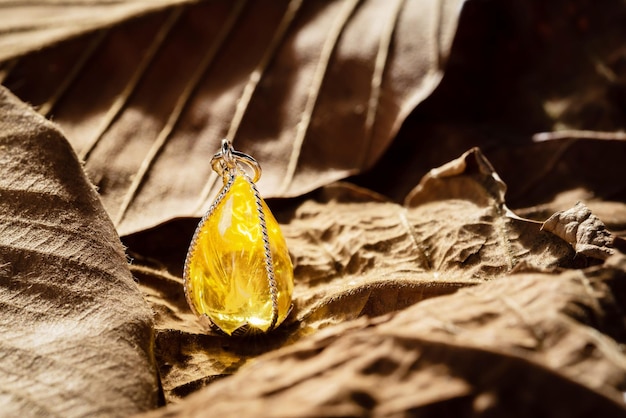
{"x":226,"y":277}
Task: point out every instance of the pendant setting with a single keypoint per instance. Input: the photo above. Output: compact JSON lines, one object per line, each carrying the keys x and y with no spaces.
{"x":238,"y":276}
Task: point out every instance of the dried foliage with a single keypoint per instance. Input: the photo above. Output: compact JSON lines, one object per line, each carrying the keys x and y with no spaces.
{"x":526,"y":345}
{"x":178,"y":81}
{"x":583,"y":230}
{"x":340,"y":242}
{"x":31,"y":25}
{"x":473,"y":266}
{"x":75,"y":334}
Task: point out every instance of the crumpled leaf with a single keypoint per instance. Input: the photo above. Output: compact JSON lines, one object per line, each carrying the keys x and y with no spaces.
{"x":75,"y":334}
{"x":523,"y":345}
{"x":583,"y":230}
{"x":462,"y":222}
{"x":518,"y":69}
{"x":469,"y":177}
{"x":317,"y":94}
{"x":340,"y":242}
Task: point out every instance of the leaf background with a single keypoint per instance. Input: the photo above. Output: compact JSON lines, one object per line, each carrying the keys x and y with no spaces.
{"x":538,"y":87}
{"x":72,"y":316}
{"x":482,"y":349}
{"x":333,"y":72}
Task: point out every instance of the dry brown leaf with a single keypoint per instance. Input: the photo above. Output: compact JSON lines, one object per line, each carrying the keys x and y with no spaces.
{"x":553,"y":176}
{"x":518,"y":70}
{"x":314,"y":98}
{"x":583,"y":230}
{"x":340,"y":241}
{"x":613,"y":214}
{"x":75,"y":334}
{"x":524,"y":345}
{"x":27,"y":26}
{"x":315,"y":90}
{"x":462,"y":222}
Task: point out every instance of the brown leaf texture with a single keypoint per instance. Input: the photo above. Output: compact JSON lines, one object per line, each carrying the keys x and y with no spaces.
{"x":315,"y":90}
{"x":31,"y":25}
{"x":462,"y":221}
{"x":488,"y":292}
{"x":519,"y":72}
{"x":340,"y":241}
{"x":75,"y":334}
{"x":583,"y":230}
{"x":524,"y":345}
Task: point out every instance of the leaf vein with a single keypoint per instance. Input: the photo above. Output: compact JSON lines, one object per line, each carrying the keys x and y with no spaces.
{"x":180,"y":105}
{"x":313,"y":92}
{"x":89,"y":52}
{"x":122,"y":99}
{"x":377,"y":78}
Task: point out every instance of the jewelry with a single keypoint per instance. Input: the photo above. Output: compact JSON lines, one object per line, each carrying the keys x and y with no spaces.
{"x":238,"y":276}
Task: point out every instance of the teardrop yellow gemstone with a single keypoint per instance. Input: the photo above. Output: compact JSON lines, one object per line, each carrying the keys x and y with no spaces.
{"x":226,"y":275}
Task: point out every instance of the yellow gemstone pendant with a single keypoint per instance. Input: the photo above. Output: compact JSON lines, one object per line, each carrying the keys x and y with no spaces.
{"x":238,"y":276}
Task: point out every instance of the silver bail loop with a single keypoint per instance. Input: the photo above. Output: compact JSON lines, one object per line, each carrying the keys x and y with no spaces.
{"x":228,"y":159}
